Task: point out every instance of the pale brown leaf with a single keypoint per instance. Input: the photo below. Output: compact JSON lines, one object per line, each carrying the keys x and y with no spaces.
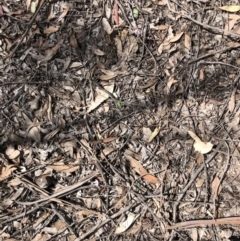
{"x":12,"y":153}
{"x":63,"y":168}
{"x":127,"y":223}
{"x":51,"y":29}
{"x":187,"y":42}
{"x":7,"y":171}
{"x":106,"y":26}
{"x":231,"y":8}
{"x":231,"y":104}
{"x":176,"y":37}
{"x":101,"y":96}
{"x":97,"y":51}
{"x":199,"y":145}
{"x":34,"y":133}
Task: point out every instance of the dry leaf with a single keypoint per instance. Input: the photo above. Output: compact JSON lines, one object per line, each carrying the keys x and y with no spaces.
{"x":231,"y":9}
{"x":199,"y":145}
{"x":28,"y":3}
{"x":64,"y":13}
{"x":176,"y":37}
{"x":127,"y":223}
{"x":115,"y":13}
{"x":109,"y":139}
{"x":106,"y":26}
{"x":171,"y":81}
{"x":161,"y":3}
{"x":51,"y":29}
{"x":160,"y":48}
{"x":7,"y":171}
{"x":194,"y":234}
{"x":108,"y":74}
{"x":63,"y":168}
{"x":97,"y":51}
{"x":73,"y":41}
{"x":154,"y":134}
{"x":187,"y":42}
{"x":199,"y":158}
{"x":140,"y":169}
{"x":230,"y":24}
{"x":215,"y":189}
{"x":34,"y":133}
{"x":100,"y":97}
{"x":231,"y":104}
{"x":201,"y":74}
{"x":12,"y":153}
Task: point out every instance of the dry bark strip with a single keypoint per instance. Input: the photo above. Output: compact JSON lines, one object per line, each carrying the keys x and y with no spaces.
{"x":203,"y":222}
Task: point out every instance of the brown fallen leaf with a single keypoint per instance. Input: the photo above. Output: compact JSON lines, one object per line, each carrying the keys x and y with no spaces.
{"x":136,"y":165}
{"x":6,"y":171}
{"x":51,"y":29}
{"x":115,"y":13}
{"x":176,"y":37}
{"x":73,"y":41}
{"x":216,"y":186}
{"x":63,"y":168}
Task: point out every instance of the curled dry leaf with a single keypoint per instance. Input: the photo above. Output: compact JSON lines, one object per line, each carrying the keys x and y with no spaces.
{"x":127,"y":223}
{"x":199,"y":145}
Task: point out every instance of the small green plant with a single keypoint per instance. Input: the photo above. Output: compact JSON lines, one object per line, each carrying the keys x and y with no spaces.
{"x":119,"y":105}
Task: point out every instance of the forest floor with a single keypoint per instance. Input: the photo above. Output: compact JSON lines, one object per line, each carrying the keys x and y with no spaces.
{"x":119,"y":120}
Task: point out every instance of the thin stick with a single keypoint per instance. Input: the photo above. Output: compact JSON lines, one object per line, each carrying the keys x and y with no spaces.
{"x":65,"y":190}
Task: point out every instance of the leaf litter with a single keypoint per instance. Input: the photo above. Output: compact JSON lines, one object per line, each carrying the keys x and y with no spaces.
{"x":97,"y":100}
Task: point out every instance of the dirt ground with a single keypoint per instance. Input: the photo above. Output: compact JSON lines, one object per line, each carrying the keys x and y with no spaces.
{"x":119,"y":120}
